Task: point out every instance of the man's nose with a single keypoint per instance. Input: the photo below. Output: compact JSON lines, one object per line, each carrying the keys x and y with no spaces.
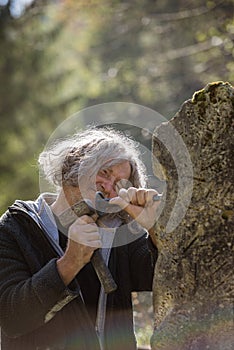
{"x":109,"y":188}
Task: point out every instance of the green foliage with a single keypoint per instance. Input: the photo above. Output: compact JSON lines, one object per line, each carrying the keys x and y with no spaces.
{"x":156,"y":53}
{"x":143,"y":317}
{"x":30,"y":107}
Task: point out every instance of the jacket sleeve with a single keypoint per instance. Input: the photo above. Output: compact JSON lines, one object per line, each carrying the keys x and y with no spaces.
{"x":27,"y":300}
{"x":142,"y":259}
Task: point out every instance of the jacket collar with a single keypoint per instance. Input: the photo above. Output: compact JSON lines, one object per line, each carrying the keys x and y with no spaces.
{"x":40,"y":211}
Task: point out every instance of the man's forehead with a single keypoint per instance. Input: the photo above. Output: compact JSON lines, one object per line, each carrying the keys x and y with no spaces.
{"x":114,"y":161}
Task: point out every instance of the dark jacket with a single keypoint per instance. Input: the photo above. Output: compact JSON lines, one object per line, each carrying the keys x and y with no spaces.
{"x":38,"y":312}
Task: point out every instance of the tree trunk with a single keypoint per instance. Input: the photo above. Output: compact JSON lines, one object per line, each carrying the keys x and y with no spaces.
{"x":193,"y":283}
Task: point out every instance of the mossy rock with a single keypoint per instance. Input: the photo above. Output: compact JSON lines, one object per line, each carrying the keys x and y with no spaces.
{"x":193,"y":284}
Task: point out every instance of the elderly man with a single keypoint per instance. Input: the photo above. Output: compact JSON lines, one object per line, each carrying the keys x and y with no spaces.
{"x":50,"y":295}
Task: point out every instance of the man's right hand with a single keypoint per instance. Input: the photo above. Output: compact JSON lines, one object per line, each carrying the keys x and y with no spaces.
{"x":83,"y":239}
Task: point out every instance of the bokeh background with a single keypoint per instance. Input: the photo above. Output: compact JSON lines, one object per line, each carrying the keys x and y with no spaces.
{"x":58,"y":57}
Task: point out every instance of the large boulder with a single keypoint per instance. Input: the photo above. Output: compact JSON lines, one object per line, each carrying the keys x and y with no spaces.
{"x":193,"y":290}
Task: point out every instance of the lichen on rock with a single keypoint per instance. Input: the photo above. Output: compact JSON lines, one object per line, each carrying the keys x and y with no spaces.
{"x":193,"y":284}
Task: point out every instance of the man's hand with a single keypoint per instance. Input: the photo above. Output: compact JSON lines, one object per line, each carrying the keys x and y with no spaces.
{"x":83,"y":239}
{"x":139,"y":204}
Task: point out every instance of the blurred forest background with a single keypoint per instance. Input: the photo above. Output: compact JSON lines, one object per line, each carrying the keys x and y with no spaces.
{"x":60,"y":56}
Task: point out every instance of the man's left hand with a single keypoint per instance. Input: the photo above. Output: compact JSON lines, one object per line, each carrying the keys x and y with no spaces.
{"x":139,"y":204}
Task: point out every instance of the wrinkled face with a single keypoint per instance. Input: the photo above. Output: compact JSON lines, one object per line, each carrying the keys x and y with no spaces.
{"x":108,"y":178}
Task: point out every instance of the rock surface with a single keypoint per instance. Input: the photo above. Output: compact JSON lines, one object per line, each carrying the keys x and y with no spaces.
{"x":193,"y":290}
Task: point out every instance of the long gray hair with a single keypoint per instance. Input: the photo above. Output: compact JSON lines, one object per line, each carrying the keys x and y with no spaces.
{"x":83,"y":154}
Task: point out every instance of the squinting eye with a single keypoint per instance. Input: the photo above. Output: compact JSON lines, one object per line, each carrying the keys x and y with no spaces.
{"x":103,"y":173}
